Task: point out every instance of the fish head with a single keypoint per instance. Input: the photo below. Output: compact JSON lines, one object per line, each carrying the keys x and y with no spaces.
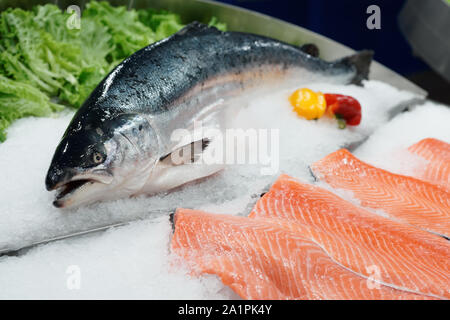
{"x":105,"y":160}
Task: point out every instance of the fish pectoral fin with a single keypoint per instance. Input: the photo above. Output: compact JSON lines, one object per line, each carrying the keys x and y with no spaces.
{"x":177,"y":168}
{"x":186,"y":154}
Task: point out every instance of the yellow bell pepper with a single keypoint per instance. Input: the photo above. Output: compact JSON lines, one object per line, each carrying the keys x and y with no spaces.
{"x":308,"y":104}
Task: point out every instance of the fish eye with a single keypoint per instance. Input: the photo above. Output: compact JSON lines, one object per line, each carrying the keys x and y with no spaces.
{"x":97,"y":157}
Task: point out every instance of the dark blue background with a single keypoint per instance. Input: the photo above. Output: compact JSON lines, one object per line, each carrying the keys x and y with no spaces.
{"x":345,"y":22}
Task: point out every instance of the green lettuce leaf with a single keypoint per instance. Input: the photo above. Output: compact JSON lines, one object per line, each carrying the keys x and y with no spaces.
{"x":162,"y":22}
{"x":128,"y":33}
{"x":18,"y":100}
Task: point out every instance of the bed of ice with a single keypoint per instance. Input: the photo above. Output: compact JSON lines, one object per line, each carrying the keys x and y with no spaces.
{"x":387,"y":147}
{"x":133,"y":261}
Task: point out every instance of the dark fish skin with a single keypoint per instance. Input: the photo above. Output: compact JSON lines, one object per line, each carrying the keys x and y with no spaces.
{"x":149,"y":81}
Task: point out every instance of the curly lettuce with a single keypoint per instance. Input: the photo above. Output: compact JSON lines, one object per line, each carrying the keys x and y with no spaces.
{"x":18,"y":100}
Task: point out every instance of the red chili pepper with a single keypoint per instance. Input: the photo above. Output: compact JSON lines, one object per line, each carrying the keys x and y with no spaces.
{"x":344,"y":107}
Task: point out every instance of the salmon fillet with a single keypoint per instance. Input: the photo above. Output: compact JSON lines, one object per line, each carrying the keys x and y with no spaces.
{"x":268,"y":258}
{"x":406,"y":199}
{"x":437,"y":153}
{"x":403,"y":256}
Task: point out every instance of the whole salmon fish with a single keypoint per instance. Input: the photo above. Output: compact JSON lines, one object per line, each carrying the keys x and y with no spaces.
{"x":119,"y":143}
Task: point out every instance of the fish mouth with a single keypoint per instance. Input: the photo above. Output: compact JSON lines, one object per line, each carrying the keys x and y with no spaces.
{"x":74,"y":192}
{"x":80,"y":188}
{"x":68,"y":189}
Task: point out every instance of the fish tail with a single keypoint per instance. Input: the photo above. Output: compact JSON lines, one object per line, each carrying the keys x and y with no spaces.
{"x":361,"y":62}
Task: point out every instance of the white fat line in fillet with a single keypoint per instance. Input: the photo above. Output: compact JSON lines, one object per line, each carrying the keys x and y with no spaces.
{"x":372,"y":252}
{"x":364,"y":276}
{"x":379,"y":281}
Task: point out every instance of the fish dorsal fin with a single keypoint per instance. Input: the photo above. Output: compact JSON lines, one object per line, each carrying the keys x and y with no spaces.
{"x":197,"y":28}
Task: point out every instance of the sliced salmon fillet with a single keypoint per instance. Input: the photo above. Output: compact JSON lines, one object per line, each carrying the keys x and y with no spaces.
{"x":406,"y":199}
{"x":403,"y":256}
{"x":268,"y":258}
{"x":437,"y":153}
